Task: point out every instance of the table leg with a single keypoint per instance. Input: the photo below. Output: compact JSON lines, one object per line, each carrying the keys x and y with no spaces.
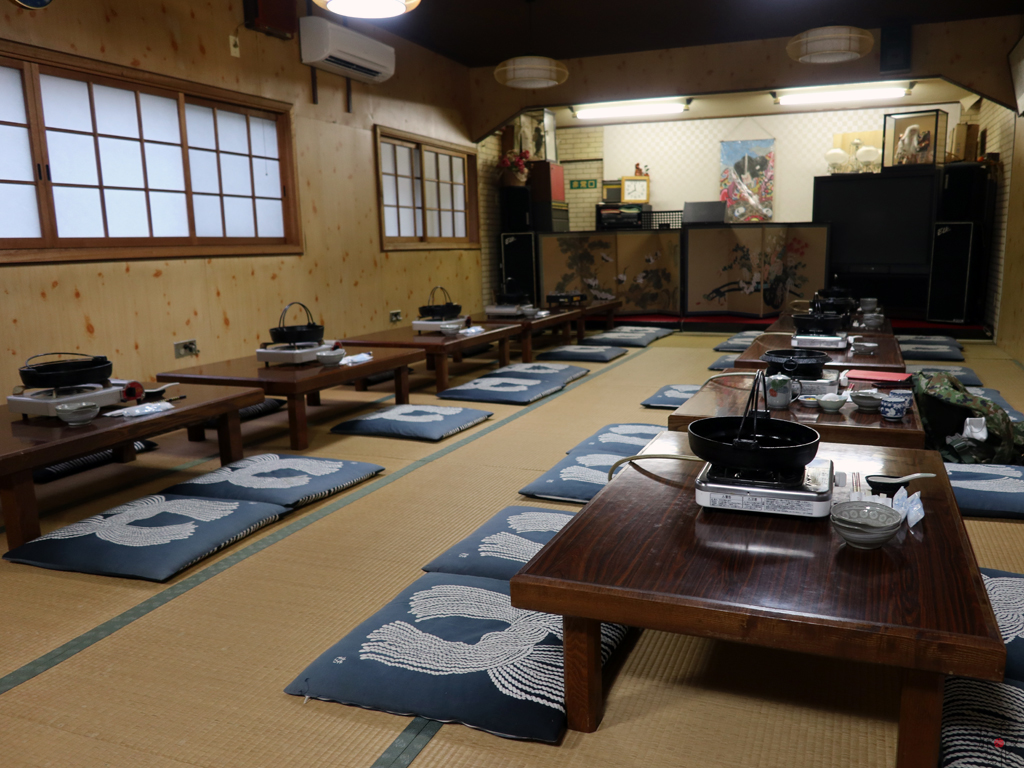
{"x":196,"y":433}
{"x":609,"y":321}
{"x":456,"y":357}
{"x":581,"y":329}
{"x":124,"y":452}
{"x":504,"y":354}
{"x":567,"y":333}
{"x":430,"y":362}
{"x":526,"y":346}
{"x":920,"y":719}
{"x":313,"y":398}
{"x":402,"y":385}
{"x":584,"y":697}
{"x":18,"y":500}
{"x":440,"y":370}
{"x":360,"y":385}
{"x":297,"y":429}
{"x":229,"y":437}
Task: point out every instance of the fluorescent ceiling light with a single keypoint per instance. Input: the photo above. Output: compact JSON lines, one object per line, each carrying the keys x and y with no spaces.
{"x":840,"y":96}
{"x":369,"y":9}
{"x":631,"y":110}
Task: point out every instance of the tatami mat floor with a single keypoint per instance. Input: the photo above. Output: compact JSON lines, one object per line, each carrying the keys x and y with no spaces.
{"x":100,"y":671}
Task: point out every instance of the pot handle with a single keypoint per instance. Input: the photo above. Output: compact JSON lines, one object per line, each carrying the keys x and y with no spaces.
{"x":47,"y":354}
{"x":443,"y":290}
{"x":790,"y":364}
{"x":284,"y":314}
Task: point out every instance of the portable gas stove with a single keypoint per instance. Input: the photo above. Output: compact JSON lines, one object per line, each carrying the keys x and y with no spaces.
{"x":805,"y":492}
{"x":820,"y":341}
{"x":44,"y":402}
{"x":291,"y":354}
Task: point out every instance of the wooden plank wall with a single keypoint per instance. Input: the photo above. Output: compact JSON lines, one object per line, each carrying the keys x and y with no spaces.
{"x":1011,"y":310}
{"x":134,"y":311}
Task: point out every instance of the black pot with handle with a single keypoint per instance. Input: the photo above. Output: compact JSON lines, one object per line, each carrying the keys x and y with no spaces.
{"x":798,"y":363}
{"x":55,"y":374}
{"x":819,"y":322}
{"x":296,"y":334}
{"x":446,"y":311}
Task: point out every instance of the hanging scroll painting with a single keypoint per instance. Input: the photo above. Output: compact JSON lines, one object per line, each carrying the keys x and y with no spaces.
{"x":747,"y":180}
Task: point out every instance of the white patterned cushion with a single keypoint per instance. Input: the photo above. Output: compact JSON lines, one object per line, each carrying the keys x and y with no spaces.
{"x":418,"y":422}
{"x":671,"y":396}
{"x":988,"y":490}
{"x":982,"y":724}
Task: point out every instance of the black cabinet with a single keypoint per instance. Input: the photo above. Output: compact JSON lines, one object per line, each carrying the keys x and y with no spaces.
{"x":519,"y":263}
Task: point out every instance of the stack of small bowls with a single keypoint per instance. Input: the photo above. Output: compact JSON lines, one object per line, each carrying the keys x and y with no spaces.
{"x":451,"y":329}
{"x":865,"y":524}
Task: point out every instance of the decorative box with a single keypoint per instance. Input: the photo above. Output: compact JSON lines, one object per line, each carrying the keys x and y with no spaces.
{"x":915,"y":138}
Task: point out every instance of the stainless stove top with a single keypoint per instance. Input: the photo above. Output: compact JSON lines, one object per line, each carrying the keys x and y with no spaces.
{"x":804,"y":493}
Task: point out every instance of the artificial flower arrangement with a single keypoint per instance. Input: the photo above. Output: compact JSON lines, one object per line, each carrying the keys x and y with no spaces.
{"x":515,"y":162}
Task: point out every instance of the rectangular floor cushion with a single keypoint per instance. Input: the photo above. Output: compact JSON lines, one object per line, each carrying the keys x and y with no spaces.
{"x":290,"y":481}
{"x":725,"y":361}
{"x":623,"y":439}
{"x":508,"y":390}
{"x":583,"y":353}
{"x":627,"y":336}
{"x":417,"y":422}
{"x":738,"y":343}
{"x":500,"y":547}
{"x":61,"y":469}
{"x":998,"y":399}
{"x":560,"y":372}
{"x":1006,"y":594}
{"x":921,"y":339}
{"x":918,"y":351}
{"x":982,"y":724}
{"x":988,"y":490}
{"x":151,"y":538}
{"x":967,"y":376}
{"x":671,"y":396}
{"x":577,"y":478}
{"x":452,"y":648}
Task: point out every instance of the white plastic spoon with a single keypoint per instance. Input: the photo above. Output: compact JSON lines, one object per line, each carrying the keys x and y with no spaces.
{"x":905,"y":479}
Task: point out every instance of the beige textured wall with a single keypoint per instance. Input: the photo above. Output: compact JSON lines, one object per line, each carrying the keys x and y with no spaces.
{"x":133,"y":312}
{"x":1011,"y":310}
{"x":970,"y":53}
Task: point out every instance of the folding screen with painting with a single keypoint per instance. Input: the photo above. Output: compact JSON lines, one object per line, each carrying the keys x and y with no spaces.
{"x":753,"y":270}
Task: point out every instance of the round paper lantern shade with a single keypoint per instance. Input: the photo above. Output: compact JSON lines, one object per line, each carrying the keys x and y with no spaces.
{"x":531,"y":72}
{"x":368,"y":9}
{"x":830,"y":45}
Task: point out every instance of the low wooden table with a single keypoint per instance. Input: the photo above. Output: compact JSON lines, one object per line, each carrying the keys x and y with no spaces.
{"x":528,"y":326}
{"x":437,"y":346}
{"x":644,"y":554}
{"x":301,"y":384}
{"x":887,"y":358}
{"x":728,"y":397}
{"x":594,"y":309}
{"x":785,"y":324}
{"x":27,"y":444}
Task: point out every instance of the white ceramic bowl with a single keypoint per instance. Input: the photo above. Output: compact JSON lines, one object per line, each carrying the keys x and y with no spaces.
{"x":867,"y":401}
{"x":77,"y":414}
{"x":330,"y":357}
{"x":831,"y":403}
{"x":808,"y":401}
{"x":865,"y":524}
{"x":451,"y":329}
{"x":864,"y":347}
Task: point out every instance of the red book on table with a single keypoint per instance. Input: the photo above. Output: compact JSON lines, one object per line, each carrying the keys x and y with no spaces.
{"x":859,"y":375}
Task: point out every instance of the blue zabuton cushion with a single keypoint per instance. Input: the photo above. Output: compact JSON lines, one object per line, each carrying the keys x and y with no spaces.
{"x":418,"y":422}
{"x":584,"y":353}
{"x":918,"y":351}
{"x":291,"y":481}
{"x":627,"y":336}
{"x":500,"y":547}
{"x":576,"y":478}
{"x":945,"y":341}
{"x":152,"y":538}
{"x":998,"y":399}
{"x":552,"y":372}
{"x":671,"y":396}
{"x":1006,"y":593}
{"x":621,"y":439}
{"x":988,"y":490}
{"x":452,"y":648}
{"x":725,"y":361}
{"x":981,"y":724}
{"x":739,"y":342}
{"x":967,"y":376}
{"x":510,"y":390}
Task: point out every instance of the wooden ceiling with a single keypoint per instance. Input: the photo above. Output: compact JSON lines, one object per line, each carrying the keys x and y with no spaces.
{"x":486,"y":32}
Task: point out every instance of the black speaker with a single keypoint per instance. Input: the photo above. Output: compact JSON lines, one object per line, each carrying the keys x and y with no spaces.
{"x":894,"y":49}
{"x":515,"y":209}
{"x":950,"y":281}
{"x":519,"y":262}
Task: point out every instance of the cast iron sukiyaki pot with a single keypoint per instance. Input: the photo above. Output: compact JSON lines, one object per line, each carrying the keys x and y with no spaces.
{"x":296,"y":334}
{"x":823,"y":322}
{"x":446,"y":311}
{"x":802,"y":363}
{"x":771,"y":444}
{"x":89,"y":369}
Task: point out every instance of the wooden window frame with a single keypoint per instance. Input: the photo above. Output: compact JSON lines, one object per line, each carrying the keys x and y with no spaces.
{"x":34,"y":61}
{"x":421,"y":144}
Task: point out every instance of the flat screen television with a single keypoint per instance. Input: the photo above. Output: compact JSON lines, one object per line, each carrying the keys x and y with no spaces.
{"x":881,"y":223}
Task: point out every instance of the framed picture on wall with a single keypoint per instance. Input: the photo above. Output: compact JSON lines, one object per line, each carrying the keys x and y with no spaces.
{"x":636,"y":189}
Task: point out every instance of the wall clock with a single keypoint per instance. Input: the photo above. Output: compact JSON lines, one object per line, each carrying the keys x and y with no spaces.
{"x":636,"y":189}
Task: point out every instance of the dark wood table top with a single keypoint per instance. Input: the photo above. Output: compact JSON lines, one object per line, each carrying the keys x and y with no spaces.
{"x":432,"y":343}
{"x":43,"y":440}
{"x":291,"y":379}
{"x":556,"y":318}
{"x":644,"y":554}
{"x":887,"y":358}
{"x":785,"y":324}
{"x":601,"y":307}
{"x":728,"y":397}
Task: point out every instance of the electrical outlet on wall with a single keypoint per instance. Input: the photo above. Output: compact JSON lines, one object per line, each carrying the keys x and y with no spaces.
{"x":233,"y":45}
{"x":396,"y":315}
{"x":187,"y":348}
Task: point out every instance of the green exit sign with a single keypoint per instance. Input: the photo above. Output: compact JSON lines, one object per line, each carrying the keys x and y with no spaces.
{"x":583,"y":184}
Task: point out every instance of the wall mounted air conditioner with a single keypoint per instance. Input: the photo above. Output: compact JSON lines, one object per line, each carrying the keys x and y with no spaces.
{"x":337,"y":49}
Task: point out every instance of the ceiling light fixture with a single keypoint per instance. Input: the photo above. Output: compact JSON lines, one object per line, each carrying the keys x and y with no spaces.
{"x":840,"y":96}
{"x":368,"y":9}
{"x":636,"y":109}
{"x":830,"y":45}
{"x":531,"y":72}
